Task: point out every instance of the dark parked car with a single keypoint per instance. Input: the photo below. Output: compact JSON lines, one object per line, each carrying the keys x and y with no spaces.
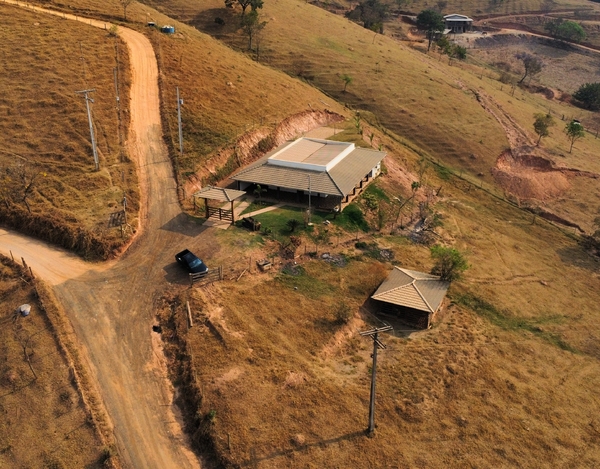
{"x":191,"y":262}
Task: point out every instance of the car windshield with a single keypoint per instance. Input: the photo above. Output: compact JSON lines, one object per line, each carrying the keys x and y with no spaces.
{"x":194,"y":262}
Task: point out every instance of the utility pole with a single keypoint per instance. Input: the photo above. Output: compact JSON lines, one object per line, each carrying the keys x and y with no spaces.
{"x":87,"y":105}
{"x":116,"y":76}
{"x":179,"y":103}
{"x":82,"y":58}
{"x":309,"y":207}
{"x":374,"y":334}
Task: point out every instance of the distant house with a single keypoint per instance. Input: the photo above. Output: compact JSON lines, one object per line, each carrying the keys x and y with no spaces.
{"x":458,"y":23}
{"x":330,"y":173}
{"x":413,"y":297}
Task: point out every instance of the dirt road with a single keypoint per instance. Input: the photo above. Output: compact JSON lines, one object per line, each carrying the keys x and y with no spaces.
{"x":111,"y":305}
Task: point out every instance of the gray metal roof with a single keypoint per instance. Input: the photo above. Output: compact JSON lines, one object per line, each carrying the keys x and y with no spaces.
{"x":412,"y":289}
{"x":311,"y":151}
{"x":339,"y":180}
{"x":457,"y":17}
{"x":218,"y":193}
{"x":354,"y":167}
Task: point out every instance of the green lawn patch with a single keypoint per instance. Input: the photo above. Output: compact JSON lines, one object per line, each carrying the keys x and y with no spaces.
{"x":276,"y":220}
{"x":254,"y":206}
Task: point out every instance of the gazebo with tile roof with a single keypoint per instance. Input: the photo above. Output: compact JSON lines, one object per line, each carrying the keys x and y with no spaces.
{"x":221,"y":195}
{"x":413,"y":297}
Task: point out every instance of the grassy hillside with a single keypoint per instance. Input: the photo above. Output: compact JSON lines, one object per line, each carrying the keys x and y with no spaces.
{"x":46,"y":139}
{"x":426,"y":103}
{"x":408,"y":93}
{"x":507,"y":377}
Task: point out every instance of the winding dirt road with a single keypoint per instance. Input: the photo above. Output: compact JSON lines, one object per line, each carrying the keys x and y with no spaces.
{"x":111,"y":305}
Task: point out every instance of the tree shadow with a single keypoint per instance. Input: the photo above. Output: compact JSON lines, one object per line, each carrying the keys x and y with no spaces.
{"x":185,"y":225}
{"x":217,"y":21}
{"x":576,"y":256}
{"x":253,"y":461}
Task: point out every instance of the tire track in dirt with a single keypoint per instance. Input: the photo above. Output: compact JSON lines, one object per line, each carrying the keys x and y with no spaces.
{"x":111,"y":306}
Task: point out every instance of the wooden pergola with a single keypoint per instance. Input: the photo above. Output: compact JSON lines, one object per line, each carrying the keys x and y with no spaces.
{"x":221,"y":195}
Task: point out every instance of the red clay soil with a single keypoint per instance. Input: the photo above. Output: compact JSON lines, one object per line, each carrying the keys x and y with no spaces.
{"x":529,"y":177}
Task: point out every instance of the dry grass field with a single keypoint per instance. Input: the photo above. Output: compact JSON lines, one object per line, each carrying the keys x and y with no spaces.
{"x":46,"y":138}
{"x":44,"y":423}
{"x":507,"y":377}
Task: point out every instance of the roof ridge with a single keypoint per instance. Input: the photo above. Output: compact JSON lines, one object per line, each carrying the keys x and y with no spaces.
{"x":335,"y":184}
{"x":422,"y":296}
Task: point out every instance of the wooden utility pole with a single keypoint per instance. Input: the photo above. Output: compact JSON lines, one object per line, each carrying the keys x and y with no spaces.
{"x":374,"y":334}
{"x":179,"y":103}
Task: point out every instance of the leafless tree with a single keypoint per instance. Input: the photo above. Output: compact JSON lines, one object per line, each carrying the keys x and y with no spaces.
{"x":125,"y":4}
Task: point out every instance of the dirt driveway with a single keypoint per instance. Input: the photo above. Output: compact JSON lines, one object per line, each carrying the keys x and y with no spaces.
{"x":111,"y":305}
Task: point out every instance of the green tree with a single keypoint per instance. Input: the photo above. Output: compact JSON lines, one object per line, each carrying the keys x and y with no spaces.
{"x":449,"y":263}
{"x":347,"y":79}
{"x":574,"y":131}
{"x":252,"y":26}
{"x":444,"y":45}
{"x":371,"y":13}
{"x":431,"y":22}
{"x":589,"y":96}
{"x":542,"y":124}
{"x":253,"y":4}
{"x":565,"y":30}
{"x":532,"y":64}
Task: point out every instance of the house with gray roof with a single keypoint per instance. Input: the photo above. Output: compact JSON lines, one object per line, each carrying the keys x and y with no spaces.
{"x":457,"y":23}
{"x":412,"y":297}
{"x":330,"y":173}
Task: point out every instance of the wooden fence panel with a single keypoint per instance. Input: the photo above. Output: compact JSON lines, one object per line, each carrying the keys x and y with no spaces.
{"x":212,"y":276}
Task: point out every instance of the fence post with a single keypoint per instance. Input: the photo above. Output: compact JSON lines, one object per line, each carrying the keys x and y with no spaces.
{"x":191,"y":280}
{"x":189,"y":314}
{"x":221,"y":272}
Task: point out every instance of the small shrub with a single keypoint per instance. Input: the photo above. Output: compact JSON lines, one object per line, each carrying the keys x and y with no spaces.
{"x":356,"y":216}
{"x":219,"y":21}
{"x":506,"y":78}
{"x":361,"y":245}
{"x":371,"y":201}
{"x":443,"y":172}
{"x":292,"y":224}
{"x":343,"y":313}
{"x":266,"y":144}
